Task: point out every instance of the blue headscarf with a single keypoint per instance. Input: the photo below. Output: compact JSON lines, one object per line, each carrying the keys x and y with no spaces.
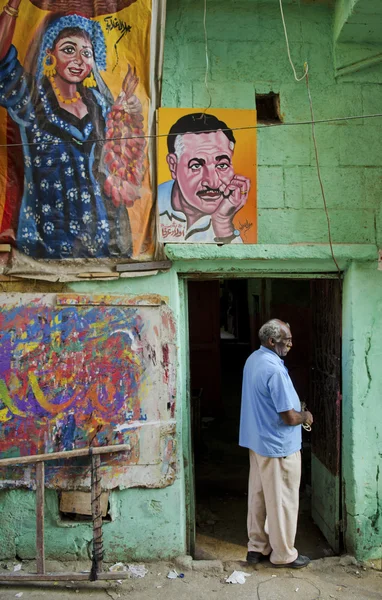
{"x":92,"y":28}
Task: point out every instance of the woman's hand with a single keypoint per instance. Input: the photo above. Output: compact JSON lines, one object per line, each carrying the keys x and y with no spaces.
{"x":7,"y":26}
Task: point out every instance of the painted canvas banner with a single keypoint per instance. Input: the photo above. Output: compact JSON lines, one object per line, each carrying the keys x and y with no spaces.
{"x":88,"y":371}
{"x":207,"y":176}
{"x":74,"y":110}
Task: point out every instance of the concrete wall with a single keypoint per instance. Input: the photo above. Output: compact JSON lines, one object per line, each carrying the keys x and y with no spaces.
{"x":362,"y":410}
{"x":248,"y":56}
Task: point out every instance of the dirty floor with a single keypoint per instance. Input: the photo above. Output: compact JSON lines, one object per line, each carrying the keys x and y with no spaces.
{"x":331,"y":578}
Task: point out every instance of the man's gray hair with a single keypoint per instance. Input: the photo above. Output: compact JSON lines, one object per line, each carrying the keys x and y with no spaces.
{"x":271,"y":329}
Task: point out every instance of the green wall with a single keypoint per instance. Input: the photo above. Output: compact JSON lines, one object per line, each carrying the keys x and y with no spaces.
{"x":362,"y":410}
{"x":247,"y":56}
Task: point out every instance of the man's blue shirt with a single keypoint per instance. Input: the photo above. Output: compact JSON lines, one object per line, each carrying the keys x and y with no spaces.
{"x":268,"y":391}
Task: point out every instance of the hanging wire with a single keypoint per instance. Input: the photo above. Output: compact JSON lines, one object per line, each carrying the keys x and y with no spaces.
{"x":288,"y":48}
{"x":207,"y":61}
{"x":312,"y":122}
{"x":318,"y":168}
{"x":161,"y":135}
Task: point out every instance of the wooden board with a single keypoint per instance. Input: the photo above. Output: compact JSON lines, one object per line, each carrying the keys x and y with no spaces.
{"x":80,"y":503}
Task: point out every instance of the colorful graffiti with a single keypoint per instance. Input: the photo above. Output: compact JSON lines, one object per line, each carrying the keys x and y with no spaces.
{"x":75,"y":376}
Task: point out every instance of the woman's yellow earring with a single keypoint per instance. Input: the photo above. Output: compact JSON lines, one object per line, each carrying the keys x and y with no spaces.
{"x":89,"y":81}
{"x":49,"y":69}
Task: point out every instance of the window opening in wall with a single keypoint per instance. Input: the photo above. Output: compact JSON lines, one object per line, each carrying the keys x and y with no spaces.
{"x":268,"y":108}
{"x":224,"y":318}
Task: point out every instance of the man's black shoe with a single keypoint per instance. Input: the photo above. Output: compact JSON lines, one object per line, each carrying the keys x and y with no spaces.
{"x":255,"y":557}
{"x":299,"y":563}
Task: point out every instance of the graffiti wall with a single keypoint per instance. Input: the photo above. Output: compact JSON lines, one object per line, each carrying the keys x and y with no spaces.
{"x":81,"y":371}
{"x":74,"y":112}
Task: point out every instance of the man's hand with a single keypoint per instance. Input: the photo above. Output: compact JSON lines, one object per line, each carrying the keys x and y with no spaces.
{"x":235,"y":195}
{"x":308,"y":417}
{"x":293,"y":417}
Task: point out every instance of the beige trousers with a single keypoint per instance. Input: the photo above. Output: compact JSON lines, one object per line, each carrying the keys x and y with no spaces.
{"x":273,"y":496}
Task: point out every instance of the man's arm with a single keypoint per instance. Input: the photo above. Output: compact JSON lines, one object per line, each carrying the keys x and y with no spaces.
{"x":292,"y":417}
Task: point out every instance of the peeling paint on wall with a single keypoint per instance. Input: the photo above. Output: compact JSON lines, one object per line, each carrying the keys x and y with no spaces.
{"x":77,"y":374}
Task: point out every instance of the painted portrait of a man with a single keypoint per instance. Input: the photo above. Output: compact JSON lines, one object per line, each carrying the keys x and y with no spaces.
{"x":205,"y":191}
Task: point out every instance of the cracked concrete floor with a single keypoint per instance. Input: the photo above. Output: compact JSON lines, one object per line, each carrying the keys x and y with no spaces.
{"x":334,"y":578}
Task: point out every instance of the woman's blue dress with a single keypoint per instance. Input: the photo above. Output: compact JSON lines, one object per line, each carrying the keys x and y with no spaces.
{"x":64,"y":213}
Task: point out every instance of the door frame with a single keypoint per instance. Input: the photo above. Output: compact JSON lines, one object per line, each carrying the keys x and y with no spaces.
{"x":184,"y":352}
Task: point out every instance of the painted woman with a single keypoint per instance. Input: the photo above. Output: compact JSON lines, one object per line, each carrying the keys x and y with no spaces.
{"x":64,"y":110}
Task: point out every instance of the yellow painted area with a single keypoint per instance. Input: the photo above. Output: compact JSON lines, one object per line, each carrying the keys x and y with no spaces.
{"x":5,"y":415}
{"x":25,"y":347}
{"x":54,"y":409}
{"x":7,"y":400}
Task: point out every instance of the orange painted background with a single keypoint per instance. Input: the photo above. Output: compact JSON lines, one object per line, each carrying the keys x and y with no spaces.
{"x":244,"y":158}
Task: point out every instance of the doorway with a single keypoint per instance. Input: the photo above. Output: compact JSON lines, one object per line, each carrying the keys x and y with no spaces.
{"x":224,"y":318}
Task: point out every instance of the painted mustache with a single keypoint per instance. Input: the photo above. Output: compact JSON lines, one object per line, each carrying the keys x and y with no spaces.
{"x":212,"y":193}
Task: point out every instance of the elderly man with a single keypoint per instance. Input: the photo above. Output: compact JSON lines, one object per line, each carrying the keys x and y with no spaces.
{"x":204,"y":194}
{"x":270,"y":426}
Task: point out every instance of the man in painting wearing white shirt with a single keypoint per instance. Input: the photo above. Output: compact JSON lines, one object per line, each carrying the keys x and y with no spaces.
{"x":204,"y":195}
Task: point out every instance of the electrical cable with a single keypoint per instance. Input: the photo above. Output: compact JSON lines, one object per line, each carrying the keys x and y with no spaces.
{"x":320,"y":179}
{"x":288,"y":48}
{"x":162,"y":135}
{"x":207,"y":57}
{"x":318,"y":168}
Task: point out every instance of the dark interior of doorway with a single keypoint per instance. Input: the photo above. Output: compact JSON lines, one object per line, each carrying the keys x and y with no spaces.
{"x":224,"y":317}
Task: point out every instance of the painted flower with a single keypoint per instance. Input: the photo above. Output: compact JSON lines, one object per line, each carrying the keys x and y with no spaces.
{"x":57,"y":185}
{"x":74,"y":227}
{"x":37,"y":161}
{"x":100,"y":239}
{"x":30,"y":188}
{"x":64,"y":157}
{"x":85,"y":197}
{"x":27,"y":161}
{"x":86,"y":239}
{"x":25,"y":233}
{"x":72,"y":194}
{"x":69,"y":171}
{"x":49,"y":162}
{"x":59,"y":204}
{"x":86,"y":217}
{"x":44,"y":185}
{"x":45,"y":209}
{"x":65,"y":248}
{"x":48,"y":227}
{"x":104,"y":225}
{"x":28,"y":212}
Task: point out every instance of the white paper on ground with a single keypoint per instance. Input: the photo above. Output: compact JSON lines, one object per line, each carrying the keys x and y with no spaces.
{"x":137,"y":570}
{"x":237,"y":577}
{"x":172,"y":574}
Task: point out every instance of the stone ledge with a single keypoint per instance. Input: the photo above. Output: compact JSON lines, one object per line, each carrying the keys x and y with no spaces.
{"x":342,"y":252}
